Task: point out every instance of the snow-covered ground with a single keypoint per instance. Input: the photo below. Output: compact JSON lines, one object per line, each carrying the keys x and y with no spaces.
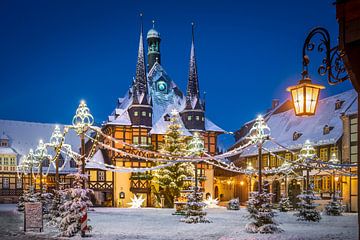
{"x":158,"y":224}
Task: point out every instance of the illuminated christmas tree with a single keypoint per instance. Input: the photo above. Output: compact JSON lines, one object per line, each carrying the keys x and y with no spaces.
{"x":171,"y":178}
{"x":194,"y":212}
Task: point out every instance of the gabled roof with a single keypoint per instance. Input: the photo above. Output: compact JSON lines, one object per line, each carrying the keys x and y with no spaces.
{"x":26,"y":135}
{"x":161,"y":104}
{"x":284,"y":124}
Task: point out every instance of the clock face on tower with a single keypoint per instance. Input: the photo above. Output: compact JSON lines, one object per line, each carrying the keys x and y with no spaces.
{"x":162,"y":86}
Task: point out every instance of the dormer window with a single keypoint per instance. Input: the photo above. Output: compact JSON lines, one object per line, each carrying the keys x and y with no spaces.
{"x":167,"y":117}
{"x":338,"y":104}
{"x":296,"y":135}
{"x":327,"y":129}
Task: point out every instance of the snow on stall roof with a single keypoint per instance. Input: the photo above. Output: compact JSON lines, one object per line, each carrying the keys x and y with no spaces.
{"x":284,"y":124}
{"x":26,"y":135}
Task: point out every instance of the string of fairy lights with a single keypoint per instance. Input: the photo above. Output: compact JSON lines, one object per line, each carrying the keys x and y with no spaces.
{"x":83,"y":122}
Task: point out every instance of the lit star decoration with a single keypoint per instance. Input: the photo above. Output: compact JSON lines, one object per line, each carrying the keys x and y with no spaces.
{"x":136,"y":202}
{"x":211,"y":203}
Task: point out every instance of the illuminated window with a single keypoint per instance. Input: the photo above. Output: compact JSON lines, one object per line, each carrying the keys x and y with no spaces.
{"x":6,"y":161}
{"x":136,"y":113}
{"x":189,"y":118}
{"x":197,"y":118}
{"x":272,"y":161}
{"x":202,"y":119}
{"x":143,"y":140}
{"x":288,"y":156}
{"x":149,"y":114}
{"x":6,"y":183}
{"x":136,"y":140}
{"x":324,"y":154}
{"x":143,"y":113}
{"x":265,"y":160}
{"x":18,"y":183}
{"x":334,"y":150}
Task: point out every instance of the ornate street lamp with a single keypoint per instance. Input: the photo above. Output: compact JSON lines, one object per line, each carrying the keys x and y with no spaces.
{"x":307,"y":153}
{"x":40,"y":155}
{"x":81,"y":123}
{"x":258,"y":134}
{"x":56,"y":141}
{"x":305,"y":95}
{"x":334,"y":160}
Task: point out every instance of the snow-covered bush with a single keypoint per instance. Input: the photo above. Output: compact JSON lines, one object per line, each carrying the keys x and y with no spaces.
{"x":27,"y":197}
{"x":234,"y":204}
{"x":284,"y":204}
{"x":53,"y":216}
{"x":31,"y":196}
{"x":75,"y":199}
{"x":194,"y":212}
{"x":260,"y":209}
{"x":334,"y":207}
{"x":307,"y":207}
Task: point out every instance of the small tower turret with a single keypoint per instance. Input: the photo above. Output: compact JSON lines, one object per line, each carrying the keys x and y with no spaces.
{"x":193,"y":115}
{"x":153,"y":40}
{"x":140,"y":111}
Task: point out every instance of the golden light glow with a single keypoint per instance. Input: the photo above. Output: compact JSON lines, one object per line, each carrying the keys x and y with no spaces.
{"x":242,"y":183}
{"x":336,"y":178}
{"x":305,"y":97}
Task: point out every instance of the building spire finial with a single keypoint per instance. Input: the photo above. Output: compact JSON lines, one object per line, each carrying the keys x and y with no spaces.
{"x":153,"y":24}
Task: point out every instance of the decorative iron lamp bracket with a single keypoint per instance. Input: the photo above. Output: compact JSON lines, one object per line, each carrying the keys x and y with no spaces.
{"x":332,"y":63}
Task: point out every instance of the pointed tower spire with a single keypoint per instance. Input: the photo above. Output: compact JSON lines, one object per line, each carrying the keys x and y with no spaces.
{"x":192,"y":92}
{"x":140,"y":84}
{"x":140,"y":111}
{"x":193,"y":115}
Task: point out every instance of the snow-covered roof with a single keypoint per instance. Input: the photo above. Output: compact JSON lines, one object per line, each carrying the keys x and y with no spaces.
{"x":283,"y":125}
{"x":162,"y":124}
{"x":97,"y":161}
{"x":162,"y":104}
{"x":7,"y":151}
{"x":24,"y":136}
{"x":4,"y":136}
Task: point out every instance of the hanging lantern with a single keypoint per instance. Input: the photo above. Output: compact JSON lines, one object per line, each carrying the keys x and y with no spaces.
{"x":305,"y":97}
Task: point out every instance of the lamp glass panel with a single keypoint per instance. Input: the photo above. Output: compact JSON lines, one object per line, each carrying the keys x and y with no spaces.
{"x":308,"y":97}
{"x":298,"y":99}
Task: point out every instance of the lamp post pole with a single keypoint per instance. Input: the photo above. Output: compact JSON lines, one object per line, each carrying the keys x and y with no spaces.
{"x":82,"y":152}
{"x":260,"y":166}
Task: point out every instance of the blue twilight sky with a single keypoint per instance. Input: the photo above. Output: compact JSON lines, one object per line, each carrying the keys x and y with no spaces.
{"x":54,"y":53}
